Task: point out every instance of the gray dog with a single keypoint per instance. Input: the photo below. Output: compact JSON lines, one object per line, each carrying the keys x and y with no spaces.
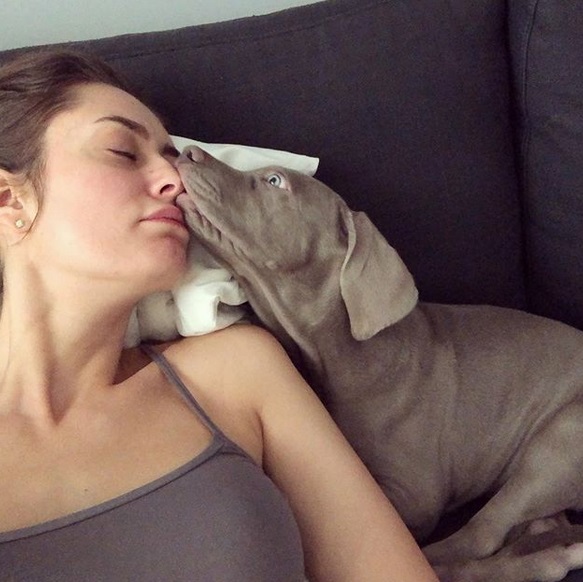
{"x":443,"y":403}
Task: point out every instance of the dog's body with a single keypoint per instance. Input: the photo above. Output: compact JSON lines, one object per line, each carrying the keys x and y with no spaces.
{"x":443,"y":403}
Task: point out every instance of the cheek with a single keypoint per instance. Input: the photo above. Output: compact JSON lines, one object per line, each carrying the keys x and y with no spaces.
{"x":86,"y":193}
{"x":88,"y":210}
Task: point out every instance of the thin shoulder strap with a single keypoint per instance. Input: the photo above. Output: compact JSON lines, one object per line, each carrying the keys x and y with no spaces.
{"x":175,"y":380}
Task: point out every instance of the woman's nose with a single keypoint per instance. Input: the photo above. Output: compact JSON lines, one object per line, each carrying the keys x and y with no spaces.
{"x":169,"y":184}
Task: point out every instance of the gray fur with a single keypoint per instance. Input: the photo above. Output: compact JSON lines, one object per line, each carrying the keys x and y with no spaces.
{"x":443,"y":403}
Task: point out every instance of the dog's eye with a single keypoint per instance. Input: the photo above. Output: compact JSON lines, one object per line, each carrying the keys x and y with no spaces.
{"x":275,"y":180}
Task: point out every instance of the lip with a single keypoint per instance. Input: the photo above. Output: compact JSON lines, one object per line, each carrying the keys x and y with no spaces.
{"x":168,"y":214}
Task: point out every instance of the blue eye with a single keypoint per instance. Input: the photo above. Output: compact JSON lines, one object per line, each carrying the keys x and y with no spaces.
{"x":275,"y":180}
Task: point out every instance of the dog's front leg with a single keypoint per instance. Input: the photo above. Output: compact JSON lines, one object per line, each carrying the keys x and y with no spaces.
{"x":544,"y":480}
{"x":549,"y":565}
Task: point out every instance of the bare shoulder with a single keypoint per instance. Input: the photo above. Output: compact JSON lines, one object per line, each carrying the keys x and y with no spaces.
{"x":241,"y":345}
{"x":244,"y":353}
{"x":231,"y":372}
{"x":300,"y":447}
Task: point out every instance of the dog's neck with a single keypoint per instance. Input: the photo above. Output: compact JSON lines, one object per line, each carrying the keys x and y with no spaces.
{"x":303,"y":314}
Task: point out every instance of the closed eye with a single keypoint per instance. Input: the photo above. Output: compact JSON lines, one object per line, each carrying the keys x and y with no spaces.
{"x":124,"y":154}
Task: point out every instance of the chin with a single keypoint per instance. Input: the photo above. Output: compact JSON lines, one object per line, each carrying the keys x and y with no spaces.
{"x":171,"y":262}
{"x":162,"y":268}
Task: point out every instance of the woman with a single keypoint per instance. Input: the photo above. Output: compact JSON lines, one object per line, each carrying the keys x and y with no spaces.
{"x":214,"y":461}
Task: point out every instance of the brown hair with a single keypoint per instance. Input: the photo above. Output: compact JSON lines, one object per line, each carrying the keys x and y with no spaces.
{"x":33,"y":89}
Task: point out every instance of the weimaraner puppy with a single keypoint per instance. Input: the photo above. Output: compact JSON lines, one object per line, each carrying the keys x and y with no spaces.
{"x":443,"y":403}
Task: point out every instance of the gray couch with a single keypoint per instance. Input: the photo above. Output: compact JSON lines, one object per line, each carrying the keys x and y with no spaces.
{"x":457,"y":125}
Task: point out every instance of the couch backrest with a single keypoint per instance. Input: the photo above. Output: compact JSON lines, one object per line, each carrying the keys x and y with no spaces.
{"x":547,"y":48}
{"x":407,"y":103}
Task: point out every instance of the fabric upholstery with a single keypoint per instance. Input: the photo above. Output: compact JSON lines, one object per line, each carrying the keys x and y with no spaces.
{"x":548,"y":52}
{"x":405,"y":103}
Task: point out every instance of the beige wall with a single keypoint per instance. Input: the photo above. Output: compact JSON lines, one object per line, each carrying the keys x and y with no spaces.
{"x":32,"y":22}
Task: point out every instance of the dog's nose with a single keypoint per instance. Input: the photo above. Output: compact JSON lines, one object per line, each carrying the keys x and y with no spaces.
{"x":195,"y":154}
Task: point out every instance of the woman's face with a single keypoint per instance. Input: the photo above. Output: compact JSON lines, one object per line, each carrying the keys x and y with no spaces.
{"x":109,"y":165}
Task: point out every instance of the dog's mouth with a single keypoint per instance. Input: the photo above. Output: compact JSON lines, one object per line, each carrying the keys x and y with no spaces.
{"x":205,"y":228}
{"x":184,"y":201}
{"x":198,"y":221}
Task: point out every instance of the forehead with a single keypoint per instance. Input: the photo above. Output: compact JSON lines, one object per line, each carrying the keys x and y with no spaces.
{"x":95,"y":101}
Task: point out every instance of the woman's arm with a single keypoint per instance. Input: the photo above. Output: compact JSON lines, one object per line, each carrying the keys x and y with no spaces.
{"x":349,"y":529}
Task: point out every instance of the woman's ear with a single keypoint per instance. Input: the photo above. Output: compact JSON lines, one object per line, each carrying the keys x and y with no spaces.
{"x":14,"y":217}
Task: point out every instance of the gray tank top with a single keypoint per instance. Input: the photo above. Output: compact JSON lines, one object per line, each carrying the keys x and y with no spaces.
{"x":218,"y":518}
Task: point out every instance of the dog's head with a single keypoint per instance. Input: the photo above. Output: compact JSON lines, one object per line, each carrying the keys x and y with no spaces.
{"x":294,"y":230}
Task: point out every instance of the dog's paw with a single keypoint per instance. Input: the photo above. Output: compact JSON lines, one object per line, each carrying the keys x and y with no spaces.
{"x":549,"y":565}
{"x":546,"y":533}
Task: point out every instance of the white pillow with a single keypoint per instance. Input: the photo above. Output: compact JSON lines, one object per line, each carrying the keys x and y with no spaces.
{"x":244,"y":157}
{"x":208,"y":297}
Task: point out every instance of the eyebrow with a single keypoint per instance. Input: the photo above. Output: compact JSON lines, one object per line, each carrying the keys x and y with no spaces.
{"x":141,"y":130}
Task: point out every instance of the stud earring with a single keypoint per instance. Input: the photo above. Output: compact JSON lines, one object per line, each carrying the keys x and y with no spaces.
{"x":19,"y":223}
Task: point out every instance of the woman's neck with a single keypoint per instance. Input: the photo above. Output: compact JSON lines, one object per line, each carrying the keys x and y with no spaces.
{"x":57,"y":345}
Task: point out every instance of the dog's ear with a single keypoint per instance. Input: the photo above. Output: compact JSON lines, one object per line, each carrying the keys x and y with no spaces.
{"x":375,"y":284}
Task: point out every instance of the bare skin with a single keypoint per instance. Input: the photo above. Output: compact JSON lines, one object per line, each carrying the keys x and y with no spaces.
{"x":83,"y":421}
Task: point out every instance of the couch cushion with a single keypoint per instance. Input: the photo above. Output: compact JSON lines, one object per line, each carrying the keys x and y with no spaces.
{"x":406,"y":104}
{"x":547,"y":42}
